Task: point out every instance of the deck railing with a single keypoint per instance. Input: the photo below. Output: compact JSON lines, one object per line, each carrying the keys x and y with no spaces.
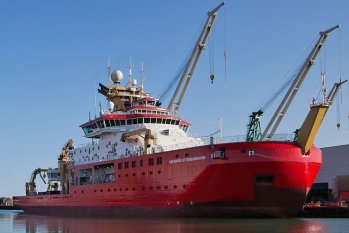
{"x":198,"y":141}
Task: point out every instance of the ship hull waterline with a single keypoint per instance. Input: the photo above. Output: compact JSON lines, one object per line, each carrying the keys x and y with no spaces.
{"x":254,"y":179}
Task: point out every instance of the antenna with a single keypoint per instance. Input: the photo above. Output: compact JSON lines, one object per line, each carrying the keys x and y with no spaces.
{"x":130,"y":73}
{"x":109,"y":73}
{"x":220,"y":125}
{"x":94,"y":88}
{"x":100,"y":109}
{"x":323,"y":87}
{"x":142,"y":77}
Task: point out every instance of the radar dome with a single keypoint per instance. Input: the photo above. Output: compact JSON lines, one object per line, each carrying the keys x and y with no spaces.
{"x":134,"y":82}
{"x":117,"y":76}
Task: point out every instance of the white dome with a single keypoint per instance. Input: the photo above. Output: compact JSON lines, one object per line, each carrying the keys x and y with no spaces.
{"x":134,"y":82}
{"x":117,"y":76}
{"x":110,"y":106}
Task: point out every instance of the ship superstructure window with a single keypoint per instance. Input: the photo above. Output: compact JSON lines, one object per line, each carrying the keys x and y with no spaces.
{"x":133,"y":164}
{"x":85,"y":176}
{"x":141,"y":163}
{"x":119,"y":166}
{"x":127,"y":164}
{"x":151,"y":161}
{"x":159,"y":160}
{"x":104,"y":173}
{"x":112,"y":123}
{"x":115,"y":123}
{"x":107,"y":123}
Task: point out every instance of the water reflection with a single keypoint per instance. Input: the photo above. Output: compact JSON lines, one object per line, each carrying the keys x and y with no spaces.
{"x":38,"y":224}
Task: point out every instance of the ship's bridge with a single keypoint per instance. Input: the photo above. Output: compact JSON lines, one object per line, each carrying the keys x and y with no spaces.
{"x":108,"y":123}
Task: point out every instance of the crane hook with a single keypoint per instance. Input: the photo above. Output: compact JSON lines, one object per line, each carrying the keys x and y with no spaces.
{"x":212,"y":77}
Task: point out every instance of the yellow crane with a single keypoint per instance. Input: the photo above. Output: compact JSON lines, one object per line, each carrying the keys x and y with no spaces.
{"x":306,"y":134}
{"x":30,"y":187}
{"x":63,"y":162}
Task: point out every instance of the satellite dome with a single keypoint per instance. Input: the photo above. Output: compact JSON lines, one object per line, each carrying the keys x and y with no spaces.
{"x":134,"y":82}
{"x":117,"y":76}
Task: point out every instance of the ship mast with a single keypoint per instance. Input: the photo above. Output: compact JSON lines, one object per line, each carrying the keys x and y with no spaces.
{"x":190,"y":67}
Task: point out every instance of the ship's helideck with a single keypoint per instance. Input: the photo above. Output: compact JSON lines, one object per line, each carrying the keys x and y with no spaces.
{"x":143,"y":163}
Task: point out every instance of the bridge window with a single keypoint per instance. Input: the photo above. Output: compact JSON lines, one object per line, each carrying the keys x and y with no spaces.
{"x":107,"y":123}
{"x":153,"y":120}
{"x":112,"y":123}
{"x":134,"y":121}
{"x":129,"y":122}
{"x":146,"y":120}
{"x":140,"y":120}
{"x":158,"y":120}
{"x":122,"y":122}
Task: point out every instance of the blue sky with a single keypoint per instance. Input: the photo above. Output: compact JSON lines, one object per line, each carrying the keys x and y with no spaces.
{"x":54,"y":53}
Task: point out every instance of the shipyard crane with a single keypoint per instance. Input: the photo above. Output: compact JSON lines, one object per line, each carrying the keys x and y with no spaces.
{"x":63,"y":161}
{"x":30,"y":187}
{"x":285,"y":103}
{"x":190,"y":66}
{"x":306,"y":134}
{"x":254,"y":130}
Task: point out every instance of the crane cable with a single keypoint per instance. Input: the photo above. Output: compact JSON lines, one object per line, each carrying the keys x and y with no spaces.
{"x":225,"y":47}
{"x":211,"y":43}
{"x":339,"y":101}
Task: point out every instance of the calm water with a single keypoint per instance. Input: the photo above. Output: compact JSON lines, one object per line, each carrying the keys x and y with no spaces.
{"x":14,"y":222}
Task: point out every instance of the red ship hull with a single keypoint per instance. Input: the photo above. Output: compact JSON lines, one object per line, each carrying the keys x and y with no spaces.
{"x":268,"y":179}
